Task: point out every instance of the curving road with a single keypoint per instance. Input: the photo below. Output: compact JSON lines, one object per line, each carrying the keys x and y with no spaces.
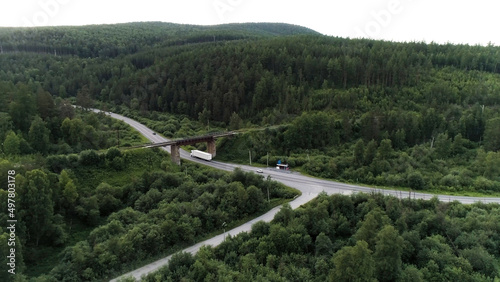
{"x":309,"y":186}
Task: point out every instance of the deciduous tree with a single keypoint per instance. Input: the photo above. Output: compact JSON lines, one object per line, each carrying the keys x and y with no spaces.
{"x":492,"y":134}
{"x":39,"y":136}
{"x":36,"y":206}
{"x":11,"y":144}
{"x":387,"y":255}
{"x":354,"y":264}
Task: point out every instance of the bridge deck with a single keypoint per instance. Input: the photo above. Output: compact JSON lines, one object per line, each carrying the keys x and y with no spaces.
{"x":186,"y":141}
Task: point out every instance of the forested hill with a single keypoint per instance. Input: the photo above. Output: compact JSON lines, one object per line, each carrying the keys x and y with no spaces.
{"x":119,"y":39}
{"x":152,"y":67}
{"x":410,"y":100}
{"x":262,"y":72}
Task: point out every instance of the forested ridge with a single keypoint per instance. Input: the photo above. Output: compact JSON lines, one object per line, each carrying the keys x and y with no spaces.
{"x":258,"y":77}
{"x":121,"y":39}
{"x":413,"y":115}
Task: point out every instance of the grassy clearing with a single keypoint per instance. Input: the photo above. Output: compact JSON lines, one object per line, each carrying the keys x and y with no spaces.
{"x":43,"y":259}
{"x":137,"y":162}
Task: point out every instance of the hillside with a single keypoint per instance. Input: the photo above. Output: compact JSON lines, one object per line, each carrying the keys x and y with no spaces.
{"x":413,"y":115}
{"x":129,"y":38}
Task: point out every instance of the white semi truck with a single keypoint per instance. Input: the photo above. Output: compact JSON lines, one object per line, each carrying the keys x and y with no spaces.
{"x":202,"y":155}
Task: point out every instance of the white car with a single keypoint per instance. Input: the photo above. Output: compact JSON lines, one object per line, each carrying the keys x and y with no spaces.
{"x":259,"y":171}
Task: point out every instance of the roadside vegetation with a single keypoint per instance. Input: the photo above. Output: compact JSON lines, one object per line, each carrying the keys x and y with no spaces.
{"x":97,"y":215}
{"x":354,"y":238}
{"x":445,"y":165}
{"x":79,"y":197}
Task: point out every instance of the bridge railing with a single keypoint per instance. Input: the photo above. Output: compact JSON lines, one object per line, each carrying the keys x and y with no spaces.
{"x":194,"y":139}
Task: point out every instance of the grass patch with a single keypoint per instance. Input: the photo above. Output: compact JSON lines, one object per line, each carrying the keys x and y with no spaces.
{"x":43,"y":259}
{"x":234,"y":150}
{"x":137,"y":162}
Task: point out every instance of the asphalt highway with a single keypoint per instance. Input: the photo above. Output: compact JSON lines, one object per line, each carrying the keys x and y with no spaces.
{"x":309,"y":186}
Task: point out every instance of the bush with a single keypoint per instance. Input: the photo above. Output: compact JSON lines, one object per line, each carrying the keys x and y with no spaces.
{"x":394,"y":180}
{"x":322,"y":167}
{"x":118,"y":163}
{"x":450,"y":181}
{"x":113,"y":153}
{"x":57,"y":163}
{"x":484,"y":184}
{"x":73,"y":160}
{"x":89,"y":157}
{"x":416,"y":181}
{"x":64,"y":148}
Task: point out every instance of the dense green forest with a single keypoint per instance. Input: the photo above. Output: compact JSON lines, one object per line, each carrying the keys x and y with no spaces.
{"x":78,"y":197}
{"x":87,"y":216}
{"x":412,"y":115}
{"x":355,"y":238}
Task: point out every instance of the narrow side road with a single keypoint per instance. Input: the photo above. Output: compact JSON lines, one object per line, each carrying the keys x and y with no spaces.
{"x":309,"y":186}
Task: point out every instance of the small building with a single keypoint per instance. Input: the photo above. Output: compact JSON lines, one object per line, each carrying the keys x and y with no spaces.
{"x":282,"y":166}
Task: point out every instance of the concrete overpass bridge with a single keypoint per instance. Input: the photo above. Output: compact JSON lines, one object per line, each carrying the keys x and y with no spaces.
{"x":177,"y":143}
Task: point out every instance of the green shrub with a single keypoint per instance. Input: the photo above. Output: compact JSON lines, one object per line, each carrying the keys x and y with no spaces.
{"x":450,"y":181}
{"x":57,"y":163}
{"x":416,"y":181}
{"x":89,"y":157}
{"x":113,"y":153}
{"x":118,"y":163}
{"x":484,"y":184}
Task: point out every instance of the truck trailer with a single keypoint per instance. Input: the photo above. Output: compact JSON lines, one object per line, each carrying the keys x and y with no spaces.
{"x":201,"y":155}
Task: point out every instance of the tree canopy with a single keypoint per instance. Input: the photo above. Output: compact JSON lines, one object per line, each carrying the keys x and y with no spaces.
{"x":413,"y":240}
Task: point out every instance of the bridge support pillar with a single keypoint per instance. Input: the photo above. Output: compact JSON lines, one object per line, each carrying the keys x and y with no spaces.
{"x":211,"y":147}
{"x":175,"y":154}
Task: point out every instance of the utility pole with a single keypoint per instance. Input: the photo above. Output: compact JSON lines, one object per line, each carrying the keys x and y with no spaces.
{"x":250,"y":156}
{"x":268,"y":200}
{"x":267,"y":159}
